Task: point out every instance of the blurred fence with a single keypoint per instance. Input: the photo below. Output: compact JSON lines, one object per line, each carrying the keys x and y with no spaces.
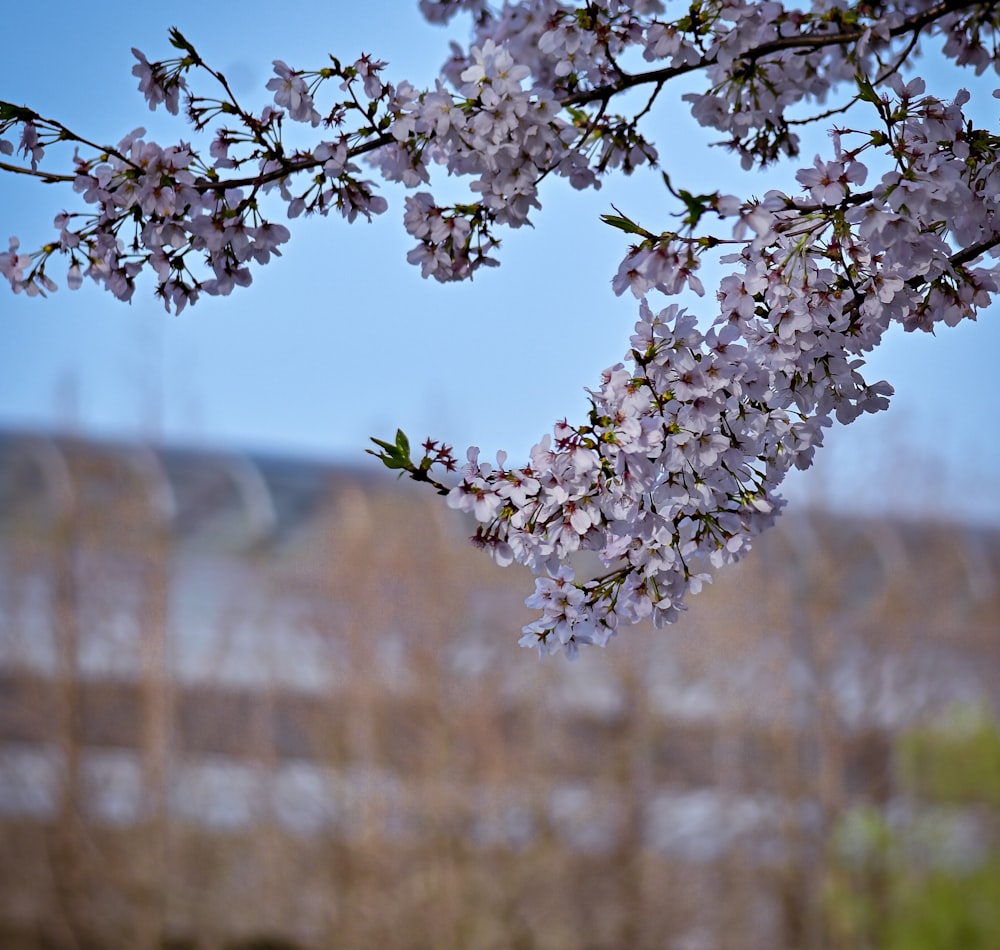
{"x":259,"y":702}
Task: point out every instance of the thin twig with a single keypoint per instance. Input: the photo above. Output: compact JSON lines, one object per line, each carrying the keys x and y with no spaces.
{"x":47,"y":177}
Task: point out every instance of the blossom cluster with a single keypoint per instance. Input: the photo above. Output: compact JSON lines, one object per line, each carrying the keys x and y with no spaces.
{"x":677,"y":467}
{"x":529,"y":98}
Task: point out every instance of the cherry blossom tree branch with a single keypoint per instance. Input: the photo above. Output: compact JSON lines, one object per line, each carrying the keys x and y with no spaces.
{"x":286,"y":170}
{"x":40,"y":173}
{"x":955,"y":261}
{"x":914,"y":24}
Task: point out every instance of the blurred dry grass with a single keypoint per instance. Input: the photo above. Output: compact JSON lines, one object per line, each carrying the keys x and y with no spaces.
{"x":251,"y":704}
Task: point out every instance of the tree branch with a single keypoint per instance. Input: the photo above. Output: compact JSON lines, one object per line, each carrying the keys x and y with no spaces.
{"x":809,"y":41}
{"x":48,"y":177}
{"x":291,"y":168}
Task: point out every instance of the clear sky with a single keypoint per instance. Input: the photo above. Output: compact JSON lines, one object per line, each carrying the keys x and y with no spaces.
{"x":342,"y":339}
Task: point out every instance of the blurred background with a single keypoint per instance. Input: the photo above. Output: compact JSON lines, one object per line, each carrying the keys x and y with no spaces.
{"x":254,"y":693}
{"x":251,"y":701}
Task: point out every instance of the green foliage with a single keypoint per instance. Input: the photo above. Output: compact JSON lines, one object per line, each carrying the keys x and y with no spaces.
{"x":393,"y":455}
{"x":626,"y":224}
{"x":955,"y":762}
{"x":904,"y":885}
{"x":396,"y":455}
{"x":946,"y":911}
{"x":14,"y":113}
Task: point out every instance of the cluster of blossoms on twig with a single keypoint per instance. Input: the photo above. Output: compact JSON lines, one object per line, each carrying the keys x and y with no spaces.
{"x":677,"y":467}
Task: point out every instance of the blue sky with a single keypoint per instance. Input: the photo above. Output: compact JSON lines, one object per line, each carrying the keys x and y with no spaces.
{"x":342,"y":339}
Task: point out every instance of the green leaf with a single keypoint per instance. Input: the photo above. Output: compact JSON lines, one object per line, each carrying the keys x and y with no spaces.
{"x":177,"y":41}
{"x":624,"y":224}
{"x":866,"y":91}
{"x":393,"y":455}
{"x":12,"y":113}
{"x":696,"y":206}
{"x":403,"y":444}
{"x":387,"y":446}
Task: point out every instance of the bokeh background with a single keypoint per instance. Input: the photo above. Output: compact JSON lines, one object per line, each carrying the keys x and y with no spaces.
{"x":250,"y":703}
